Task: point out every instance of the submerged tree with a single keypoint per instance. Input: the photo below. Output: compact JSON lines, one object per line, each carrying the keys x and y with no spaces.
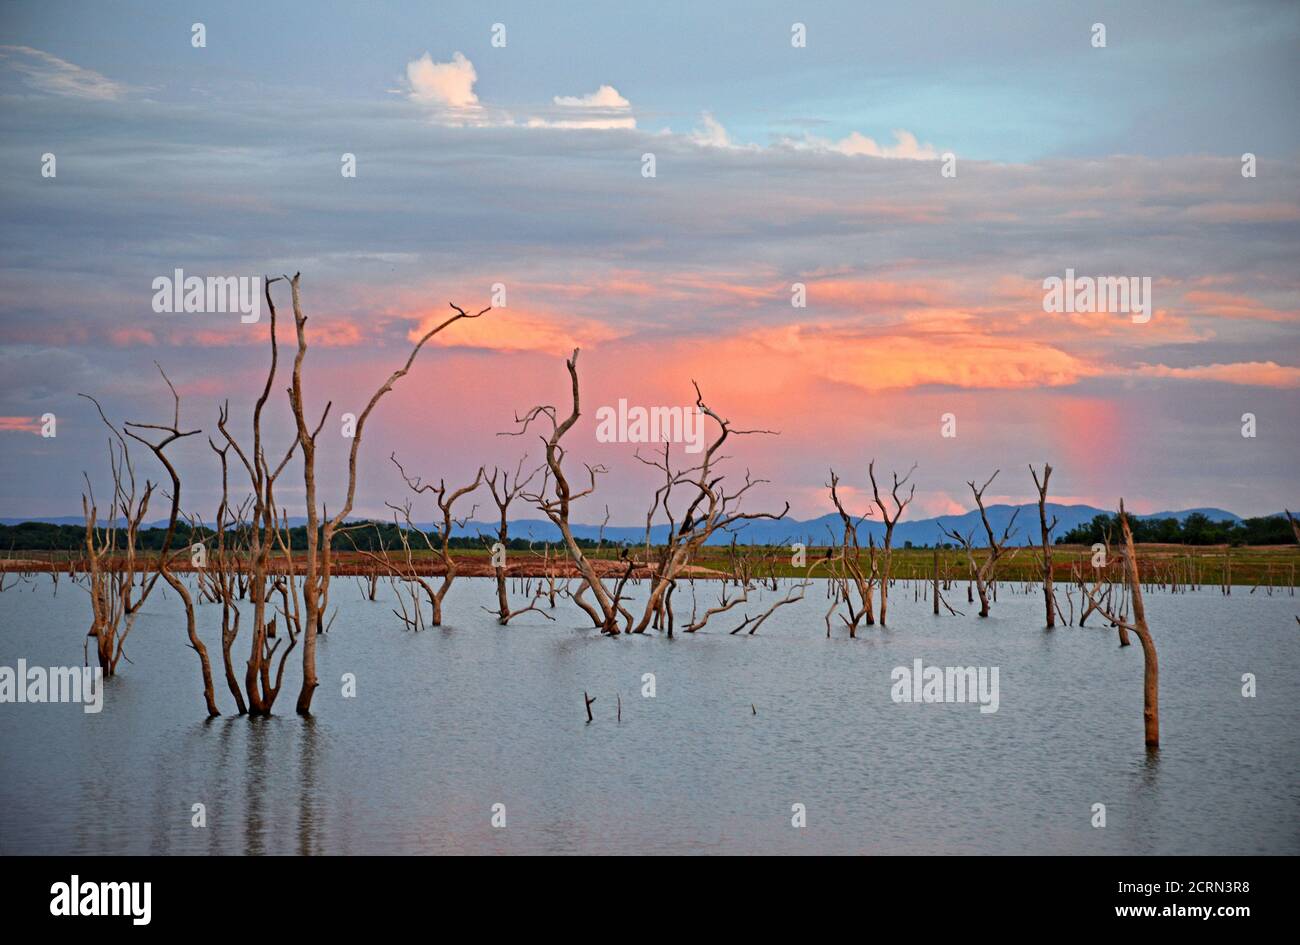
{"x":446,"y":501}
{"x":320,"y":535}
{"x":852,"y":580}
{"x":1151,"y":665}
{"x":169,"y":435}
{"x":555,"y":500}
{"x":985,"y":571}
{"x":503,"y":495}
{"x":890,"y":520}
{"x":707,"y":509}
{"x":115,"y":601}
{"x":1049,"y":599}
{"x":266,"y":532}
{"x":111,"y":552}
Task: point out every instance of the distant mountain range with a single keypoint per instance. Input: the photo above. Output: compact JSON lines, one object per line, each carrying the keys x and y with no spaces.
{"x":817,"y":531}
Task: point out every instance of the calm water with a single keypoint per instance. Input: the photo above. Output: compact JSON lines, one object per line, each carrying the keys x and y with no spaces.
{"x":448,"y":722}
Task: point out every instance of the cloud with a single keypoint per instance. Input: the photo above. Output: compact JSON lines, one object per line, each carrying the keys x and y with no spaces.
{"x":856,"y":144}
{"x":604,"y":108}
{"x":604,"y":97}
{"x":1234,"y":305}
{"x":1247,"y":373}
{"x":921,"y":298}
{"x":447,"y":89}
{"x":49,"y":73}
{"x":515,"y":330}
{"x":446,"y":86}
{"x":962,"y":358}
{"x":711,"y":134}
{"x":20,"y":425}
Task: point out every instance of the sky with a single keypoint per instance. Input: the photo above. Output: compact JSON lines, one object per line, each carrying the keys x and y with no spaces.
{"x":828,"y":164}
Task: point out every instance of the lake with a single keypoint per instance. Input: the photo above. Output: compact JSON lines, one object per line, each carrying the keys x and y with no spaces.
{"x":449,"y":722}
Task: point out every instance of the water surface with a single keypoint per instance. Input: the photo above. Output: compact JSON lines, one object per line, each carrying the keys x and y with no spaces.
{"x":448,"y":722}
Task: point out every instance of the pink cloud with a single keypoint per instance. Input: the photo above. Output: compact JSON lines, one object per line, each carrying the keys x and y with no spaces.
{"x":20,"y":425}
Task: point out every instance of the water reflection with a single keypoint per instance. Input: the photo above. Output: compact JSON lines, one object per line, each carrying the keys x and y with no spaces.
{"x":308,"y":821}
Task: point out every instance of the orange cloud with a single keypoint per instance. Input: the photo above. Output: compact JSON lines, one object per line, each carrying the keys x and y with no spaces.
{"x":514,"y":330}
{"x":963,"y":358}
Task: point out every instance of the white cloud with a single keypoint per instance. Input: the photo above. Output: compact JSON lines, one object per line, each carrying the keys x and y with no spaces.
{"x":604,"y":108}
{"x":604,"y":97}
{"x":48,"y":73}
{"x":712,"y":134}
{"x":448,"y":86}
{"x":856,"y":144}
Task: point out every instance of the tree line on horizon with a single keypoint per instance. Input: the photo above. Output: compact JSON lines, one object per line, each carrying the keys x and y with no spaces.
{"x":1195,"y":529}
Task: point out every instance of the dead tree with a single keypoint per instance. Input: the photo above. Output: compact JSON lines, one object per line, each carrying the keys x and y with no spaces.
{"x":725,"y":604}
{"x":111,"y":553}
{"x":446,"y":502}
{"x":792,"y":596}
{"x":1151,"y":665}
{"x":267,"y":532}
{"x":406,"y":579}
{"x":848,"y":573}
{"x":1049,"y":598}
{"x":320,"y":535}
{"x":110,"y":580}
{"x":1102,"y":592}
{"x":169,"y":435}
{"x":890,"y":520}
{"x":985,"y":571}
{"x":224,"y":572}
{"x":510,"y":490}
{"x":708,"y":508}
{"x":555,"y":500}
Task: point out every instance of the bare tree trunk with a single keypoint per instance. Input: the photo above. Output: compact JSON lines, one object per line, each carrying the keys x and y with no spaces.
{"x":173,"y":433}
{"x":1048,"y":600}
{"x":1151,"y":665}
{"x":984,"y":573}
{"x":890,"y":521}
{"x":320,"y":534}
{"x":846,"y":567}
{"x":606,"y":611}
{"x":936,"y":581}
